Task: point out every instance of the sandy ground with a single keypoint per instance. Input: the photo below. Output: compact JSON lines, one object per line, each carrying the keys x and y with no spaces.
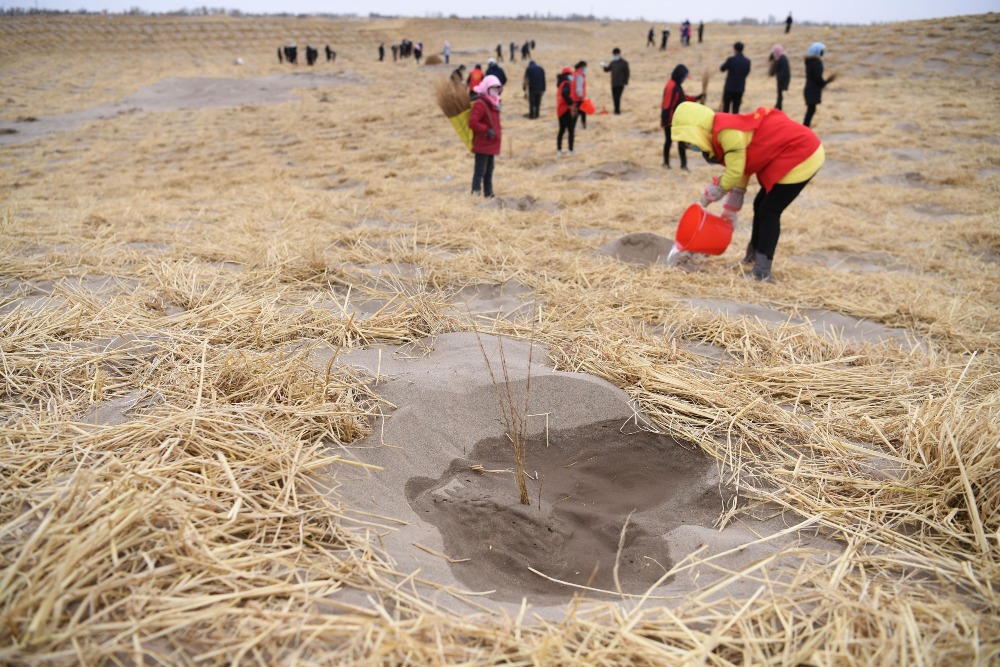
{"x":200,"y":186}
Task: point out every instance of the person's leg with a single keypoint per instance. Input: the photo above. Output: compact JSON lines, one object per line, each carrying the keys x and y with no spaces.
{"x":572,"y":130}
{"x":737,"y":101}
{"x":767,"y":210}
{"x":777,"y":105}
{"x":563,"y":127}
{"x":616,"y":96}
{"x":727,"y":101}
{"x":810,"y":110}
{"x":477,"y":173}
{"x":488,"y":176}
{"x":682,"y":149}
{"x":667,"y":143}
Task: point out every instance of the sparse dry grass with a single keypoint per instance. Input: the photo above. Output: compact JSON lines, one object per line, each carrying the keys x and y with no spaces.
{"x":199,"y":530}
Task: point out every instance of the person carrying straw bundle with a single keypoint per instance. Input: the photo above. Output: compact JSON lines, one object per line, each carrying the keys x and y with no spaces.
{"x":484,"y":121}
{"x":783,"y":154}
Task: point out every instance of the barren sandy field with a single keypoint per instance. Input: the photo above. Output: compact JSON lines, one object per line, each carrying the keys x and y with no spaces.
{"x":278,"y":390}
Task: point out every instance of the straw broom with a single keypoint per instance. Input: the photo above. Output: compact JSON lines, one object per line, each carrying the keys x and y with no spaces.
{"x":454,"y":102}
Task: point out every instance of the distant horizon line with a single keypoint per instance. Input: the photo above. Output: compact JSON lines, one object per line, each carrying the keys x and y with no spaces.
{"x":238,"y":13}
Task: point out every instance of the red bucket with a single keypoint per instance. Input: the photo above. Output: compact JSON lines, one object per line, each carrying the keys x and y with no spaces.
{"x":701,"y":231}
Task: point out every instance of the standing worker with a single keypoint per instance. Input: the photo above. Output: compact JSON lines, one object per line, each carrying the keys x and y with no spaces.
{"x":673,"y":96}
{"x":780,"y":70}
{"x":534,"y":84}
{"x":580,"y":91}
{"x":815,"y":83}
{"x":701,"y":30}
{"x":663,"y":40}
{"x":619,"y":77}
{"x":788,"y":23}
{"x":737,"y":68}
{"x":484,"y":121}
{"x":651,"y":38}
{"x":565,"y":108}
{"x":783,"y":154}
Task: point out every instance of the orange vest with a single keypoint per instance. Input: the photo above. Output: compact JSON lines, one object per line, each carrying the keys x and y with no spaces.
{"x":779,"y":144}
{"x":475,"y":78}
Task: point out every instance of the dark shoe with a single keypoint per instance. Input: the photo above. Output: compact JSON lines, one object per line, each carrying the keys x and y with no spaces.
{"x":684,"y":167}
{"x":666,"y":165}
{"x":751,"y":251}
{"x":761,"y":268}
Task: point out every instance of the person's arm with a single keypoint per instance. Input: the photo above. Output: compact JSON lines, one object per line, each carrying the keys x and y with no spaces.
{"x":725,"y":66}
{"x":626,"y":73}
{"x":477,"y":121}
{"x":734,"y":147}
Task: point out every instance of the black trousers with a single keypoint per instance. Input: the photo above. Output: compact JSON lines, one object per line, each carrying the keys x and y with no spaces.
{"x":534,"y":104}
{"x":681,"y":148}
{"x":731,"y":101}
{"x":781,"y":96}
{"x":616,"y":95}
{"x":810,"y":111}
{"x":567,"y":123}
{"x":482,"y":177}
{"x":767,"y":210}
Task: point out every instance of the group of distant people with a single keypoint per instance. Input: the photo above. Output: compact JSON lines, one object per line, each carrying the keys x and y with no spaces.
{"x":665,"y":35}
{"x":290,"y":54}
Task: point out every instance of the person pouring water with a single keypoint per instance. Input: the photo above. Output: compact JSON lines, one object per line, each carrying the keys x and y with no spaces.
{"x":783,"y":154}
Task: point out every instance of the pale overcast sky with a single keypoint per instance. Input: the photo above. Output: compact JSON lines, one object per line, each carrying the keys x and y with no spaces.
{"x":835,"y":11}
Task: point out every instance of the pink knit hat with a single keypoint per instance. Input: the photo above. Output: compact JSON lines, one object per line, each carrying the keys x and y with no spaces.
{"x":490,"y":81}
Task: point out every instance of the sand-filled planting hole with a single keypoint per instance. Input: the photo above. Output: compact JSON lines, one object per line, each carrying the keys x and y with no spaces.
{"x":586,"y":484}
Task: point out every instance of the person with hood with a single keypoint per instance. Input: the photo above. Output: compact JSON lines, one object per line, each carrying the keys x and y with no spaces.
{"x":766,"y":143}
{"x":565,"y":108}
{"x":474,"y":79}
{"x":458,"y":76}
{"x":619,"y":77}
{"x":673,"y":95}
{"x":580,"y":90}
{"x":484,"y":121}
{"x":534,"y":85}
{"x":737,"y":69}
{"x":492,"y":69}
{"x":815,"y":83}
{"x":781,"y":71}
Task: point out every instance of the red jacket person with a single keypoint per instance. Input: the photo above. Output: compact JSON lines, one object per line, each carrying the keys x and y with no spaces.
{"x":781,"y":153}
{"x":484,"y":121}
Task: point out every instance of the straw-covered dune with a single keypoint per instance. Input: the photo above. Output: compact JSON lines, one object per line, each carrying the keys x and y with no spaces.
{"x":270,"y":373}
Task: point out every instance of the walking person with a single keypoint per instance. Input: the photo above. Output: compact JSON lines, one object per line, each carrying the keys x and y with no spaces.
{"x":484,"y":121}
{"x":534,"y":85}
{"x":701,"y":30}
{"x":447,"y":52}
{"x":780,"y":70}
{"x":565,"y":109}
{"x":737,"y":68}
{"x":619,"y":77}
{"x":766,"y":143}
{"x":651,"y":38}
{"x":788,"y":23}
{"x":664,"y":38}
{"x":815,"y":83}
{"x":381,"y":52}
{"x":673,"y":96}
{"x":580,"y":91}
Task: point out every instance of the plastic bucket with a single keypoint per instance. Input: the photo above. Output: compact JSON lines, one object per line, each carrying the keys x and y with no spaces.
{"x":701,"y":231}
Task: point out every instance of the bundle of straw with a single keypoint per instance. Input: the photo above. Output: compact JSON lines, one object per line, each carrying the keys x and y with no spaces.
{"x":454,"y":102}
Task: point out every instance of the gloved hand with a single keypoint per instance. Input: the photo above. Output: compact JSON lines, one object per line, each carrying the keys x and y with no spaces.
{"x":713,"y":192}
{"x":732,"y":204}
{"x":490,"y":133}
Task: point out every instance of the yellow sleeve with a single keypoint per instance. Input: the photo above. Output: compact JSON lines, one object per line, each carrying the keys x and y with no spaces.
{"x":734,"y":147}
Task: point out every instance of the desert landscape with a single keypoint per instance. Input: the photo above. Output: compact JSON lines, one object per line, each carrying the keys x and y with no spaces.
{"x":278,"y":390}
